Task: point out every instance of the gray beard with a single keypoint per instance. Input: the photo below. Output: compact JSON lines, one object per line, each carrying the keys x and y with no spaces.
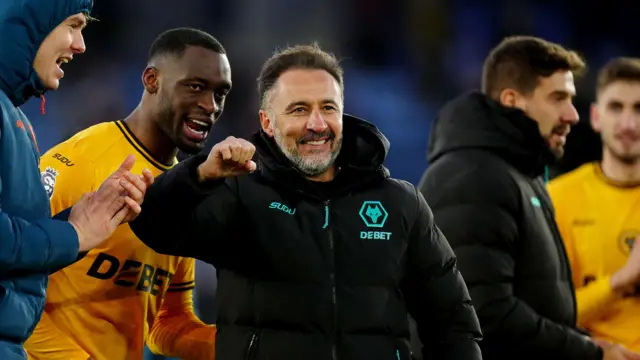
{"x":309,"y":167}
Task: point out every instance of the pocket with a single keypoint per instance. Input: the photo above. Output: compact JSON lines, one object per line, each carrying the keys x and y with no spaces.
{"x":252,"y":347}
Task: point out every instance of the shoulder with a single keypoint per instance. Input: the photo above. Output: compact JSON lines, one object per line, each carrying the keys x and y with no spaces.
{"x":87,"y":145}
{"x":571,"y":181}
{"x":468,"y":180}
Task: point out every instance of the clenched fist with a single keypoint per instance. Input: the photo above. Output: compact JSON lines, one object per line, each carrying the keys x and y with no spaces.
{"x":231,"y":157}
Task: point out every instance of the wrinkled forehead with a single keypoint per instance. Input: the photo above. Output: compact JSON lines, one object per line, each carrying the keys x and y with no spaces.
{"x":308,"y":86}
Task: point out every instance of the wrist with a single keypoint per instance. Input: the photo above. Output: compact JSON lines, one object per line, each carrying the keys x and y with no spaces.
{"x":203,"y":175}
{"x":81,"y":242}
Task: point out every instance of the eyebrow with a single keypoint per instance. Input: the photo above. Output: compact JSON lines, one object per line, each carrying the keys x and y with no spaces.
{"x":80,"y":19}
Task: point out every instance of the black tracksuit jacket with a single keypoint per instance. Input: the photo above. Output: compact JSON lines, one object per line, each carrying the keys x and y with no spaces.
{"x":317,"y":271}
{"x":485,"y":187}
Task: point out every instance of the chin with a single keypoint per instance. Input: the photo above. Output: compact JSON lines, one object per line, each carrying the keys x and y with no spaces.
{"x":190,"y":147}
{"x":52,"y":84}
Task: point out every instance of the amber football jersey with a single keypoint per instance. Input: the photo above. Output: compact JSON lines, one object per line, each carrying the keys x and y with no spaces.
{"x":105,"y":304}
{"x":599,"y":220}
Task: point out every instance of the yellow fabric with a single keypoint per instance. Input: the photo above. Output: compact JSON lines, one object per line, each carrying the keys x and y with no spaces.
{"x":110,"y":302}
{"x":599,"y":220}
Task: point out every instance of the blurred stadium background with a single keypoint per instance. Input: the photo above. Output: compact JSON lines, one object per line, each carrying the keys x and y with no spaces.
{"x":402,"y":60}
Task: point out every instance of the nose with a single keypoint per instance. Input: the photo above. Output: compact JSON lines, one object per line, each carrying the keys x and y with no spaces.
{"x":630,"y":122}
{"x":208,"y":104}
{"x":316,"y":122}
{"x":571,"y":115}
{"x":78,"y":46}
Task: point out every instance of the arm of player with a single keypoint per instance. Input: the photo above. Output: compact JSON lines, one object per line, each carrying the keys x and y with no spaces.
{"x":436,"y":294}
{"x":481,"y":228}
{"x":27,"y":246}
{"x":177,"y":331}
{"x":48,"y":343}
{"x":182,"y":216}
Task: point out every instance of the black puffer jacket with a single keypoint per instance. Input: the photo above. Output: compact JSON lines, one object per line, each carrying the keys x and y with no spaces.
{"x":317,"y":271}
{"x":488,"y":197}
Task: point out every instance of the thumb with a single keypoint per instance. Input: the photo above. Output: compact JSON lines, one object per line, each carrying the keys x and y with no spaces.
{"x":127,"y":164}
{"x":250,"y":165}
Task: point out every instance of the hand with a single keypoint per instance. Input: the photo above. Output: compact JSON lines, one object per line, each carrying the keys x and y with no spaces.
{"x":625,"y":279}
{"x":231,"y":157}
{"x":613,"y":351}
{"x":96,"y":216}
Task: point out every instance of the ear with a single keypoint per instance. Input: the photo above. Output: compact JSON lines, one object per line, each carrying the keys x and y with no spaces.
{"x":594,"y":118}
{"x":150,"y":79}
{"x":266,"y":122}
{"x":509,"y":98}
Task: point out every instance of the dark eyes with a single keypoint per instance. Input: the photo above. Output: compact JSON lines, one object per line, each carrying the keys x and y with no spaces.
{"x":302,"y":109}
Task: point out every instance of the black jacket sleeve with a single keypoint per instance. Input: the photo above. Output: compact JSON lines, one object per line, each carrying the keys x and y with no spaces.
{"x":183,"y":217}
{"x":476,"y":209}
{"x":436,"y":294}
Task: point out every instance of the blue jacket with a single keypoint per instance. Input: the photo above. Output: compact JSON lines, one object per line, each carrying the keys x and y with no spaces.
{"x":31,"y":243}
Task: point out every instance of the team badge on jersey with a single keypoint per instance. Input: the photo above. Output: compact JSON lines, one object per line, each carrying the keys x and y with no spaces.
{"x":48,"y":178}
{"x":627,"y":240}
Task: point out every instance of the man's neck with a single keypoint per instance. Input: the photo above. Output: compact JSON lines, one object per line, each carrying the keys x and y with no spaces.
{"x":619,"y":171}
{"x":145,"y":129}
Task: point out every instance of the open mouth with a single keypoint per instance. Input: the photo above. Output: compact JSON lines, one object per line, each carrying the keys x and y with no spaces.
{"x":197,"y":130}
{"x":62,"y":60}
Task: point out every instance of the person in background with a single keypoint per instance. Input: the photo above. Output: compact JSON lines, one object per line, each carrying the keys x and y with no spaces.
{"x":598,"y":213}
{"x":132,"y":294}
{"x":488,"y":152}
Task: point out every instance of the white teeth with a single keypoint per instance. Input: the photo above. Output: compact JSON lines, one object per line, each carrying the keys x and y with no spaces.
{"x":321,"y":142}
{"x":201,"y":123}
{"x":199,"y":132}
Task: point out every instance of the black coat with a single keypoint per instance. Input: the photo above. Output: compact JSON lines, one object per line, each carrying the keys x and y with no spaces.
{"x":317,"y":271}
{"x":485,"y":187}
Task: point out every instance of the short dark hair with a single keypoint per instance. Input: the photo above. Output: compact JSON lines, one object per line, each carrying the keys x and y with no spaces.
{"x":175,"y":41}
{"x":310,"y":57}
{"x":618,"y":69}
{"x":518,"y":62}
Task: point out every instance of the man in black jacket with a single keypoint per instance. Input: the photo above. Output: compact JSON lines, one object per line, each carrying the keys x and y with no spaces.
{"x":320,"y":253}
{"x":488,"y":151}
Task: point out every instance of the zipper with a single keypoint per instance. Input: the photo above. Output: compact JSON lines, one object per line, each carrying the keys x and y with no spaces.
{"x":251,"y":349}
{"x":334,"y":332}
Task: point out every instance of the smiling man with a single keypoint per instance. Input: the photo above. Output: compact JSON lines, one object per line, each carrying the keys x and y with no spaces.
{"x":129,"y":294}
{"x":37,"y":37}
{"x":320,"y":253}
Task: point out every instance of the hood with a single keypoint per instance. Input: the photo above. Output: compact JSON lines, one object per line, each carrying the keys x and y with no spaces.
{"x":364,"y":150}
{"x":475,"y":121}
{"x":24,"y":24}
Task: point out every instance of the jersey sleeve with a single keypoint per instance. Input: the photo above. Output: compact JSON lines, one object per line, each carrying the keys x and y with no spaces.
{"x":594,"y":297}
{"x":66,"y":174}
{"x":177,"y":331}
